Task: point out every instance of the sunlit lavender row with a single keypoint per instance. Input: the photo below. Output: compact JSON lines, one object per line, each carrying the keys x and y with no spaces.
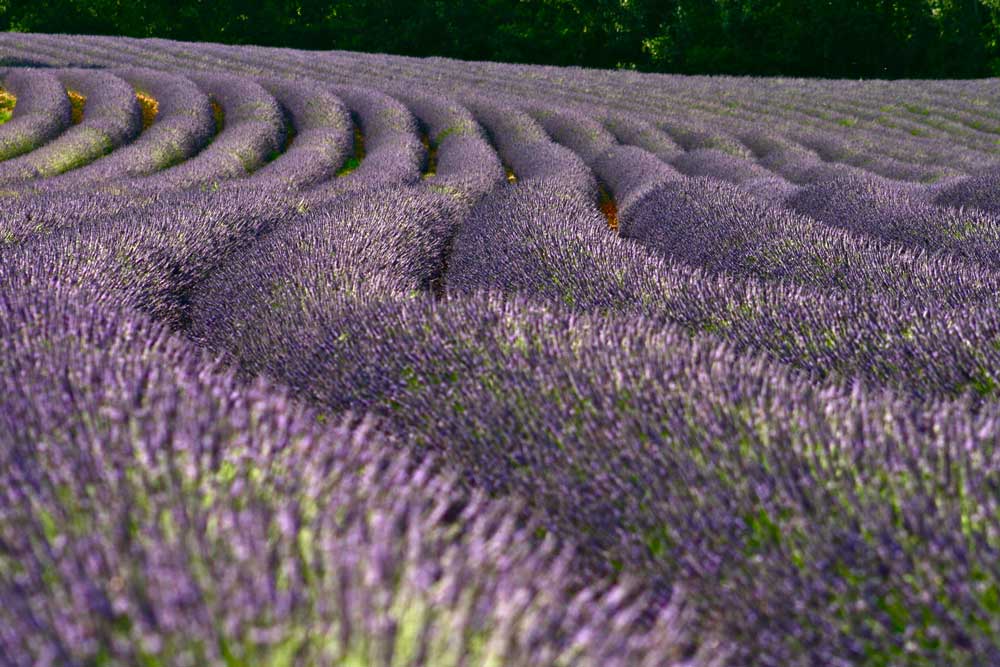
{"x":339,"y":358}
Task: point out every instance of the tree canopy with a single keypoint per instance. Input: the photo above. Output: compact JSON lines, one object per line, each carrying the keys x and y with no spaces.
{"x":820,"y":38}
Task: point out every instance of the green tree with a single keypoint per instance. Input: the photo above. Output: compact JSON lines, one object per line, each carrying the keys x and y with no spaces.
{"x":831,"y":38}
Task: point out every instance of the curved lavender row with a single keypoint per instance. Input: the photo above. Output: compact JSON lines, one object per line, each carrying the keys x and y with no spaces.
{"x":790,"y":160}
{"x":740,"y":480}
{"x":773,"y":173}
{"x":42,"y":112}
{"x":322,"y":141}
{"x":526,"y":148}
{"x":111,"y":118}
{"x":183,"y":126}
{"x":393,"y":154}
{"x":693,"y":135}
{"x":152,"y":257}
{"x":716,"y":226}
{"x":888,"y":166}
{"x":722,"y":157}
{"x":127,"y":463}
{"x":632,"y":173}
{"x":379,"y":243}
{"x":556,"y":249}
{"x":466,"y":164}
{"x":634,"y":131}
{"x":896,"y":212}
{"x":854,"y":148}
{"x":253,"y":132}
{"x":981,"y":190}
{"x":629,"y":173}
{"x":495,"y":249}
{"x":719,"y":165}
{"x":577,"y":131}
{"x":668,"y":93}
{"x":833,"y":148}
{"x":30,"y":214}
{"x":773,"y":189}
{"x":859,"y":150}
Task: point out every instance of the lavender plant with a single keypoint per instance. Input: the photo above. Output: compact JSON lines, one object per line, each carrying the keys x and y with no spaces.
{"x":465,"y":165}
{"x":977,"y":191}
{"x":322,"y":135}
{"x":531,"y":155}
{"x":387,"y":145}
{"x":876,"y":207}
{"x":252,"y":131}
{"x":168,"y":514}
{"x":719,"y":227}
{"x":42,"y":112}
{"x":112,"y":118}
{"x":150,"y":258}
{"x":378,"y":243}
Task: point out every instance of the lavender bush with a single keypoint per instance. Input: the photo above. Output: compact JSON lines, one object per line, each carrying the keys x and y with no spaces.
{"x":112,"y":117}
{"x":979,"y":191}
{"x":465,"y":165}
{"x":529,"y":152}
{"x":252,"y":133}
{"x":42,"y":111}
{"x":183,"y":126}
{"x":322,"y":135}
{"x":893,"y":211}
{"x":378,"y":243}
{"x":387,"y":146}
{"x":166,"y":513}
{"x":719,"y":227}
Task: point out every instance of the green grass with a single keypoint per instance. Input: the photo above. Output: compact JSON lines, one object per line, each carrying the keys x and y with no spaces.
{"x":354,"y":161}
{"x":219,"y":115}
{"x":150,"y":108}
{"x":7,"y":102}
{"x":430,"y":169}
{"x":77,"y":102}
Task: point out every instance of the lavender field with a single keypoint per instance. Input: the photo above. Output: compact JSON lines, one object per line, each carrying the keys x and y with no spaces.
{"x":330,"y":358}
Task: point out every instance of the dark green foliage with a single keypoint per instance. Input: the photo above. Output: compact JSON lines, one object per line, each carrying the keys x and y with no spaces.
{"x":847,"y":38}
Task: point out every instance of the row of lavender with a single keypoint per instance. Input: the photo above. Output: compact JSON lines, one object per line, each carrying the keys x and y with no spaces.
{"x":844,"y":195}
{"x":648,"y":192}
{"x":131,"y":461}
{"x":726,"y":156}
{"x":153,"y":510}
{"x":734,"y":395}
{"x":913,"y":123}
{"x":708,"y":442}
{"x":284,"y":302}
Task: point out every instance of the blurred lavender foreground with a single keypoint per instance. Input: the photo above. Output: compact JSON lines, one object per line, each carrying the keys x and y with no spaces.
{"x":347,"y":359}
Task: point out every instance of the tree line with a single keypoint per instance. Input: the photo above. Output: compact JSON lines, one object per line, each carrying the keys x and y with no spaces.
{"x":816,"y":38}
